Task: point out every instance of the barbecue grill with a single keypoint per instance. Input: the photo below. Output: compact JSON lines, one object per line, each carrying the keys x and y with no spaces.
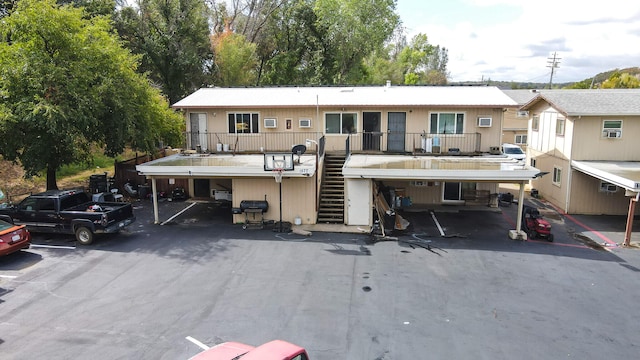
{"x":253,"y":213}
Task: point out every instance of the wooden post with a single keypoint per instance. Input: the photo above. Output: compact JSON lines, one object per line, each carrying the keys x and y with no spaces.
{"x":632,"y":209}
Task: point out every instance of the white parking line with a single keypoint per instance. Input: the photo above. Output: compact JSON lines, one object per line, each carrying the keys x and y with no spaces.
{"x":437,"y":223}
{"x":178,"y":214}
{"x":8,"y":276}
{"x":198,"y":343}
{"x":53,"y":246}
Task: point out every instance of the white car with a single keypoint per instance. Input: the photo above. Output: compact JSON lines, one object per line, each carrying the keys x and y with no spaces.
{"x":514,"y":152}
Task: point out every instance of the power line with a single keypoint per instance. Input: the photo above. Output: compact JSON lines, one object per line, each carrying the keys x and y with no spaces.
{"x":553,"y":63}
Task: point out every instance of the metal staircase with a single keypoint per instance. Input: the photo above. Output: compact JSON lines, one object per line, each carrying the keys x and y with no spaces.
{"x":331,"y":207}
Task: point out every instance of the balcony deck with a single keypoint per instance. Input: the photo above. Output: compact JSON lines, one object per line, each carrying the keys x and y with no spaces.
{"x":367,"y":142}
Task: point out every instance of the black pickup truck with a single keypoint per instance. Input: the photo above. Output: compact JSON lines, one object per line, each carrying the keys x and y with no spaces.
{"x":69,"y":212}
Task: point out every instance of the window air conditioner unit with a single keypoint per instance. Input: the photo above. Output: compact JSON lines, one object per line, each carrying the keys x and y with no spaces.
{"x":522,"y":113}
{"x":612,"y":134}
{"x":484,"y":122}
{"x":305,"y":123}
{"x":607,"y":187}
{"x":270,"y":123}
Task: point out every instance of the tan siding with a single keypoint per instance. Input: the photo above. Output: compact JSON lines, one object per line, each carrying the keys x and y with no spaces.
{"x":417,"y":122}
{"x":420,"y":195}
{"x":551,"y":192}
{"x":587,"y":199}
{"x":297,"y":198}
{"x":591,"y":145}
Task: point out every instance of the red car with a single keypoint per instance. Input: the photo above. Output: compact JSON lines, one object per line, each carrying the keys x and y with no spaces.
{"x":273,"y":350}
{"x":13,"y":238}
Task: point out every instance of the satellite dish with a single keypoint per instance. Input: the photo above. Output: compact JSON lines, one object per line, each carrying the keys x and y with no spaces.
{"x":298,"y":150}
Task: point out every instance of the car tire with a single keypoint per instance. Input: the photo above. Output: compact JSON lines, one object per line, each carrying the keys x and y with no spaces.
{"x":550,"y":238}
{"x":84,"y":236}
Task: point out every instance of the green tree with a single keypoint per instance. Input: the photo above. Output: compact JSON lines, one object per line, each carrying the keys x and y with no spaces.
{"x":172,"y":36}
{"x":621,"y":81}
{"x":424,"y":63}
{"x":310,"y":42}
{"x":353,"y":29}
{"x":235,"y":59}
{"x":67,"y":85}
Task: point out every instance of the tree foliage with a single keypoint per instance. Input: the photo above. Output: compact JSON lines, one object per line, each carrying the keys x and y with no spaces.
{"x":235,"y":60}
{"x":68,"y":85}
{"x":172,"y":37}
{"x":620,"y":80}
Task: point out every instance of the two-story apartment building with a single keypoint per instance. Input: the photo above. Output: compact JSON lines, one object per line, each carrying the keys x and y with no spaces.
{"x":515,"y":125}
{"x":337,"y":145}
{"x":588,"y":141}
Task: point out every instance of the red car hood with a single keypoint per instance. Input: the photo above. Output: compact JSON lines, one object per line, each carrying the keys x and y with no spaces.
{"x":224,"y":351}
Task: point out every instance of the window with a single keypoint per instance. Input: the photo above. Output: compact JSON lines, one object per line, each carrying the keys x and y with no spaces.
{"x":46,"y":205}
{"x":535,"y":122}
{"x":521,"y":139}
{"x":243,"y":123}
{"x":447,"y":123}
{"x":341,"y":123}
{"x":612,"y":129}
{"x":560,"y":126}
{"x":608,"y":187}
{"x":557,"y":175}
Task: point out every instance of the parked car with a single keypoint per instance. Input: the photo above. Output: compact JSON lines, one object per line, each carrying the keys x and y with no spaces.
{"x":273,"y":350}
{"x":514,"y":151}
{"x":13,"y":238}
{"x":69,"y":212}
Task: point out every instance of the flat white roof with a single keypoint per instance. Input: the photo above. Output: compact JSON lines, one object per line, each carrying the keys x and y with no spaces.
{"x":221,"y":165}
{"x":449,"y":96}
{"x":458,"y":168}
{"x":625,"y":174}
{"x":403,"y":167}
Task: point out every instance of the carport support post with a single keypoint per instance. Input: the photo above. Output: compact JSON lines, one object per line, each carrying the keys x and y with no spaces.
{"x":632,"y":209}
{"x":520,"y":206}
{"x":155,"y":201}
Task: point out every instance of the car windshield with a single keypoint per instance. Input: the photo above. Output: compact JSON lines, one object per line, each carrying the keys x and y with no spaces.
{"x":510,"y":150}
{"x":5,"y":225}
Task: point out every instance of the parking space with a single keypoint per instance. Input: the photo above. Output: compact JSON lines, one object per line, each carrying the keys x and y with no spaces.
{"x":140,"y":293}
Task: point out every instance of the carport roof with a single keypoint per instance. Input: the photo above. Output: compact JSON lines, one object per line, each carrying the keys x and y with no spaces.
{"x":625,"y":174}
{"x":221,"y":165}
{"x":455,"y":168}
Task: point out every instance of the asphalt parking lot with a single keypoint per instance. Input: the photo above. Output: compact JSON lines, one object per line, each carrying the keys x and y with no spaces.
{"x":472,"y":293}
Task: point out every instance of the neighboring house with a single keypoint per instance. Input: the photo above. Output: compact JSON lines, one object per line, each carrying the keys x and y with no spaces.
{"x":429,"y":145}
{"x":516,"y":121}
{"x":587,"y":140}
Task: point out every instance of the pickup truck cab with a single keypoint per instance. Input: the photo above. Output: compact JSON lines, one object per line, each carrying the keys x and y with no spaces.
{"x":273,"y":350}
{"x":69,"y":212}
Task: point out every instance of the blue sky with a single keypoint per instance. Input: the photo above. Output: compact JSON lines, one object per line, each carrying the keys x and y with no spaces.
{"x":513,"y":40}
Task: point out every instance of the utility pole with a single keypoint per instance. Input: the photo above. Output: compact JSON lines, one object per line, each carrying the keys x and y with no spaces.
{"x":553,"y":63}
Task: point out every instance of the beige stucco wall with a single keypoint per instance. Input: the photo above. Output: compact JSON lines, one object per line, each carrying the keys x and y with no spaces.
{"x":298,"y":198}
{"x":417,"y":122}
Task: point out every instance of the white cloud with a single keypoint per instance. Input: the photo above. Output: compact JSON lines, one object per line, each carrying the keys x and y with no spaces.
{"x":588,"y":37}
